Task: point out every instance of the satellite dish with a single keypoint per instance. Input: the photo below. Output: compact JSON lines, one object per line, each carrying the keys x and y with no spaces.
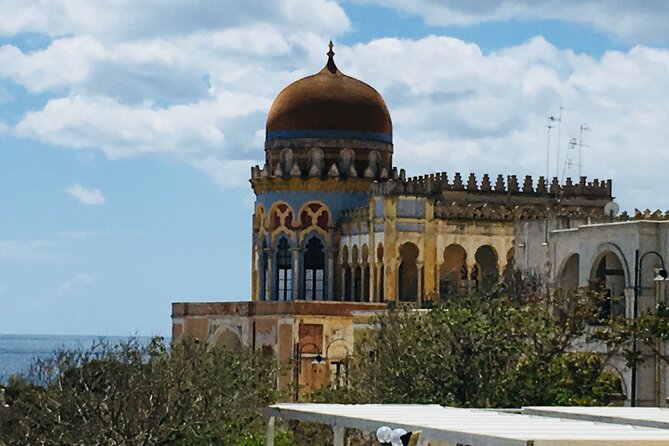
{"x":611,"y":209}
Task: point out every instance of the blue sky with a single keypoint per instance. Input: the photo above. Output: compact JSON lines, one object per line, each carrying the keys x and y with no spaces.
{"x":128,"y":129}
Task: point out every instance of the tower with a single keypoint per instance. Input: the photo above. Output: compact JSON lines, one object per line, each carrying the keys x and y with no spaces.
{"x":328,"y":137}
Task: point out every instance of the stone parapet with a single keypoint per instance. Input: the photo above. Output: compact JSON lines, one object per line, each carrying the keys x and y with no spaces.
{"x":260,"y":308}
{"x":438,"y":183}
{"x":646,"y":214}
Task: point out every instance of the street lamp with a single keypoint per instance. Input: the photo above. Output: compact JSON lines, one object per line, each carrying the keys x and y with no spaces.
{"x":661,"y":276}
{"x":317,"y":359}
{"x":397,"y":436}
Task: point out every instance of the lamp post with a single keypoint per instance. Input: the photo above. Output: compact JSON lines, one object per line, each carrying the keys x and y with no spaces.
{"x":318,"y":358}
{"x":397,"y":437}
{"x":340,"y":361}
{"x":662,"y":275}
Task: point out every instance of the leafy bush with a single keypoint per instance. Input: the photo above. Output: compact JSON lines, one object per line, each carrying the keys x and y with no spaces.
{"x":133,"y":393}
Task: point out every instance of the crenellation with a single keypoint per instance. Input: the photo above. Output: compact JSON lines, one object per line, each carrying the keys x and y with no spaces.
{"x":555,"y":186}
{"x":471,"y":182}
{"x":438,"y":182}
{"x":646,"y":214}
{"x":485,"y":183}
{"x":527,"y":184}
{"x":512,"y":184}
{"x":568,"y":187}
{"x":457,"y":182}
{"x":499,"y":184}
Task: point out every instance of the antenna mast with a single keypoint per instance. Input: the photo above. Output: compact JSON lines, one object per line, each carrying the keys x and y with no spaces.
{"x":559,"y":121}
{"x":567,"y":161}
{"x":584,"y":128}
{"x":548,"y":149}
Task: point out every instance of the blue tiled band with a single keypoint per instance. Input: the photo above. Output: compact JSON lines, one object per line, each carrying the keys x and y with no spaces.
{"x":339,"y":134}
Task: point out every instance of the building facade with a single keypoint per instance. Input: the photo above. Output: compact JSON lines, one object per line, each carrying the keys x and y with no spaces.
{"x":339,"y":232}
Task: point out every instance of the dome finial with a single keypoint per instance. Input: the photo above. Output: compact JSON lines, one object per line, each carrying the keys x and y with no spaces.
{"x":331,"y":65}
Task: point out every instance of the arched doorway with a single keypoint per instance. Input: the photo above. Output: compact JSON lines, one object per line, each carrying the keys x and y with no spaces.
{"x":487,"y":272}
{"x":314,"y":270}
{"x":226,"y":338}
{"x":453,"y":272}
{"x":569,"y":276}
{"x":408,"y":273}
{"x":608,"y":277}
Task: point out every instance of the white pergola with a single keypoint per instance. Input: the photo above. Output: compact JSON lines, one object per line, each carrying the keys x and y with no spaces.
{"x":479,"y":427}
{"x":635,"y":416}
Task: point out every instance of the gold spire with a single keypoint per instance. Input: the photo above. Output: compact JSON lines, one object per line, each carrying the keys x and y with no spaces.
{"x":332,"y":68}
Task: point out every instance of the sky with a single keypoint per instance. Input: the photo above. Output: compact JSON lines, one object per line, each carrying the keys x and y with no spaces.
{"x":128,"y":129}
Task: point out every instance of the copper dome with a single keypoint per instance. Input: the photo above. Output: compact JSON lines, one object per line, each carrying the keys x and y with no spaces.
{"x":329,"y":104}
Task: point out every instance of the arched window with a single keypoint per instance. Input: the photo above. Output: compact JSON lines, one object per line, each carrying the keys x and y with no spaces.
{"x":284,"y":271}
{"x":408,"y":273}
{"x":314,"y":266}
{"x":487,"y":273}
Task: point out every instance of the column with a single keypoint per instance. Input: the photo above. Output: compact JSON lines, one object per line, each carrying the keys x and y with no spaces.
{"x":437,"y":278}
{"x":330,"y":289}
{"x":363,"y":278}
{"x":470,"y":269}
{"x":397,"y":274}
{"x":372,"y":282}
{"x":331,"y":253}
{"x":419,"y":280}
{"x":352,"y":284}
{"x":297,"y":255}
{"x":269,"y":276}
{"x":269,"y":432}
{"x":338,"y":435}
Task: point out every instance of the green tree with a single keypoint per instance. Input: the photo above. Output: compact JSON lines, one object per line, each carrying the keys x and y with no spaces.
{"x":141,"y":394}
{"x":491,"y":350}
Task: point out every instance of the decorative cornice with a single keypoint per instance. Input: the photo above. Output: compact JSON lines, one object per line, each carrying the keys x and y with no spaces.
{"x":295,"y":184}
{"x":330,"y":134}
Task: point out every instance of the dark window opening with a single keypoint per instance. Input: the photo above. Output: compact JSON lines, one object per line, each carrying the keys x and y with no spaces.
{"x":314,"y":270}
{"x":284,"y":271}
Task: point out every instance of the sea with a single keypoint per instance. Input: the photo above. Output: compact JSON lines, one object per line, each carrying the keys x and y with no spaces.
{"x":17,"y":352}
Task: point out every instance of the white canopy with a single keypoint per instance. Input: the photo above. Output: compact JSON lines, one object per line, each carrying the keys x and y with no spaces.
{"x":478,"y":427}
{"x":636,"y":416}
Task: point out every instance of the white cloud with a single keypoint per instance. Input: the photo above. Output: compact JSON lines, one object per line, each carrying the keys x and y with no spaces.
{"x":123,"y":131}
{"x":86,"y":196}
{"x":128,"y":19}
{"x":77,"y":282}
{"x":636,"y":22}
{"x":226,"y":173}
{"x":27,"y":250}
{"x":471,"y":112}
{"x":199,"y":91}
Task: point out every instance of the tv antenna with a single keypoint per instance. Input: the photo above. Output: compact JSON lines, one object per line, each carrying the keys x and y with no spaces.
{"x":584,"y":128}
{"x":568,"y":161}
{"x":558,"y":119}
{"x":548,"y":149}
